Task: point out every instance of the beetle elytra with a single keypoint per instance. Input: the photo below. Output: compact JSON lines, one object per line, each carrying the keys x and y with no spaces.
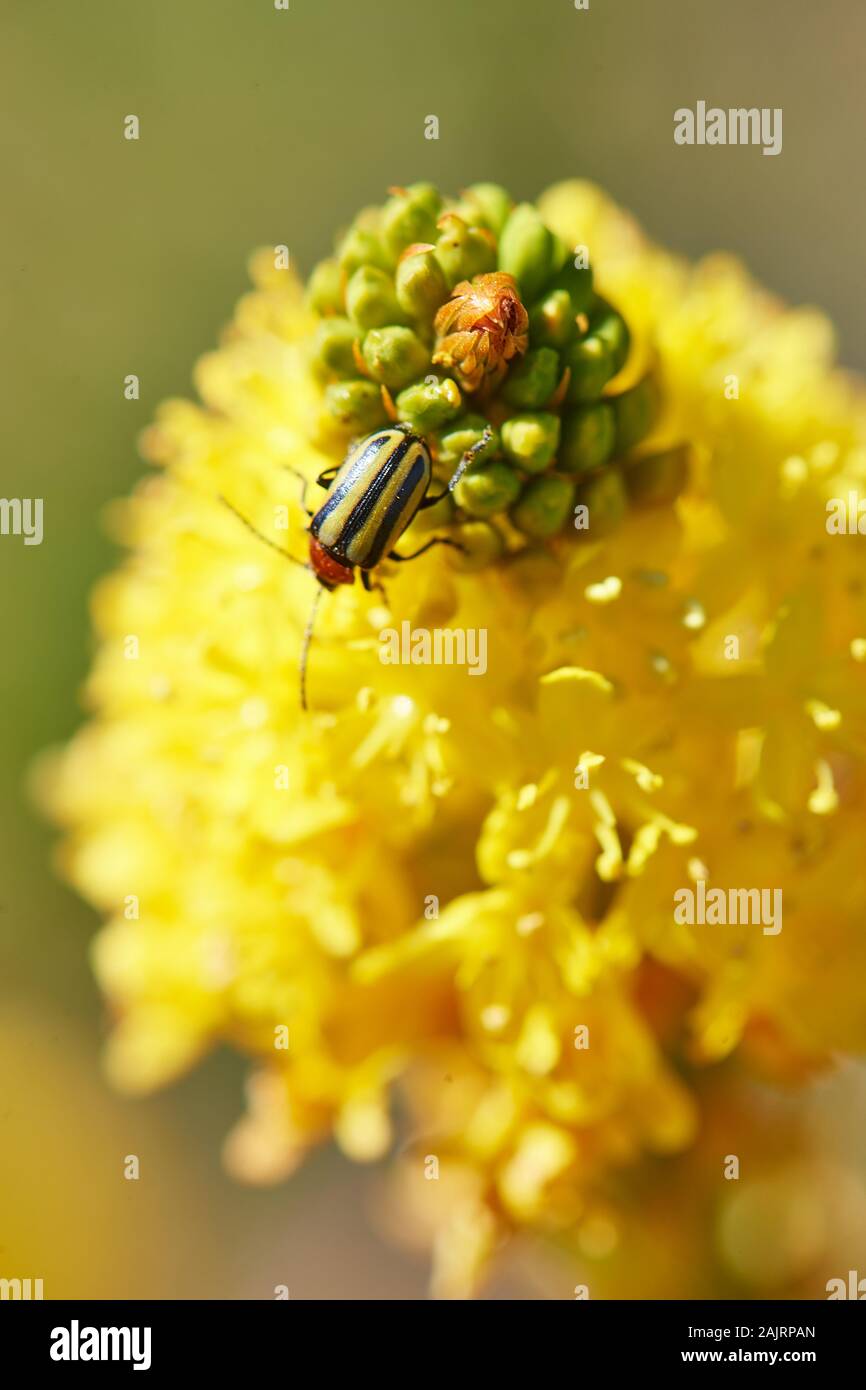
{"x":373,"y":496}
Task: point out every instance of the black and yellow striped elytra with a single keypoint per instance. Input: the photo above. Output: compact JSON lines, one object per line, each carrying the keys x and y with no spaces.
{"x":375,"y":495}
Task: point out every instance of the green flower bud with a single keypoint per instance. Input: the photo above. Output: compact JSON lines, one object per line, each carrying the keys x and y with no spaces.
{"x":531,"y":441}
{"x":487,"y":490}
{"x":408,"y":217}
{"x":427,"y":405}
{"x":577,"y":283}
{"x":543,"y":507}
{"x":454,"y":442}
{"x":551,"y":321}
{"x":531,"y":383}
{"x":560,"y":256}
{"x":333,"y":348}
{"x":527,"y":250}
{"x":362,"y":246}
{"x":605,"y":498}
{"x":395,"y":356}
{"x":481,"y":545}
{"x":325,"y":288}
{"x":486,"y":205}
{"x":635,"y":413}
{"x":356,"y":405}
{"x":421,"y":285}
{"x":588,"y":434}
{"x":611,"y":327}
{"x":463,"y":251}
{"x":370,"y":298}
{"x":591,"y":369}
{"x":658,"y":478}
{"x":426,"y":195}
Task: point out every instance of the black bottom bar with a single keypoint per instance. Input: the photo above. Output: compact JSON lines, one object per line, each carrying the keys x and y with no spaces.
{"x":72,"y":1338}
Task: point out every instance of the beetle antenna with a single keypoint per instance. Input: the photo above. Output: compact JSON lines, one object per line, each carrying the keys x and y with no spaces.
{"x":267,"y":540}
{"x":305,"y":646}
{"x":464,"y":463}
{"x":469,"y":456}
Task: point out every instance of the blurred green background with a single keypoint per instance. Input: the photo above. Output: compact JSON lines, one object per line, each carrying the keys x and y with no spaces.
{"x":261,"y":126}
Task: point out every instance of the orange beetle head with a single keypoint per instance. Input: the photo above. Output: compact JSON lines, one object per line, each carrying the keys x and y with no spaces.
{"x":328,"y":571}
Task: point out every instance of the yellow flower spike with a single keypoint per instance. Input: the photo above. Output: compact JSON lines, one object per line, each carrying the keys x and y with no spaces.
{"x":823,"y":717}
{"x":542,"y":1153}
{"x":590,"y":760}
{"x":463,"y":884}
{"x":462,"y":1251}
{"x":605,"y":591}
{"x":267,"y":1144}
{"x":362,"y":1128}
{"x":824,"y":800}
{"x":154,"y":1045}
{"x":492,"y":1121}
{"x":580,"y":958}
{"x":647,"y":780}
{"x":648,"y":837}
{"x":575,"y":677}
{"x":609,"y":862}
{"x":538,"y":1047}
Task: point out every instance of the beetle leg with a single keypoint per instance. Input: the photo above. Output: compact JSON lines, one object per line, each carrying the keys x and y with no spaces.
{"x":267,"y":540}
{"x":305,"y":483}
{"x":370,"y":584}
{"x":428,"y":545}
{"x":461,"y":469}
{"x":328,"y":475}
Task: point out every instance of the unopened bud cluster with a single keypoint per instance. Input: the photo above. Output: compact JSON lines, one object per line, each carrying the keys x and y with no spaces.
{"x":456,"y":316}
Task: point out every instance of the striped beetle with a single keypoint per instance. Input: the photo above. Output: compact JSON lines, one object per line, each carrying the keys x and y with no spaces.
{"x":373,"y":496}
